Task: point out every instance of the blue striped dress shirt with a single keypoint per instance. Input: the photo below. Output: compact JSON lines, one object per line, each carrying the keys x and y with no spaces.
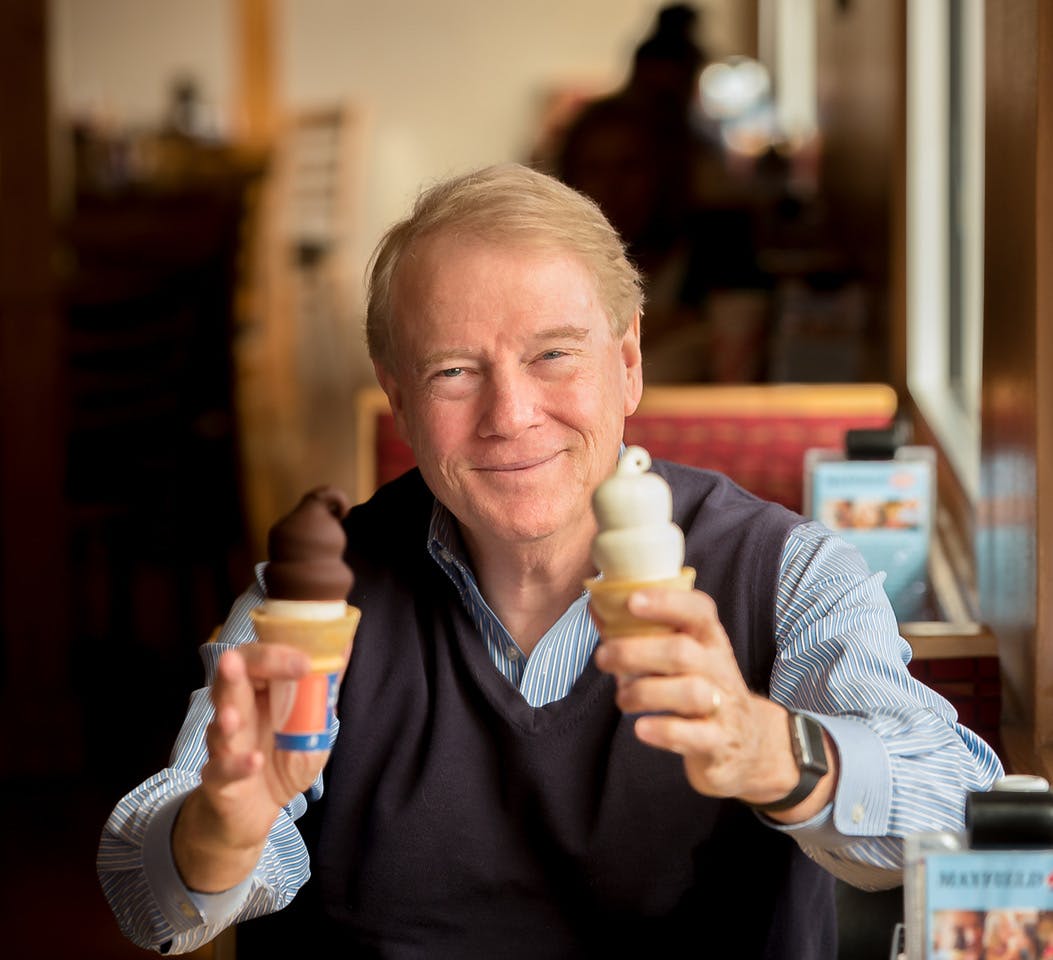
{"x":905,"y":763}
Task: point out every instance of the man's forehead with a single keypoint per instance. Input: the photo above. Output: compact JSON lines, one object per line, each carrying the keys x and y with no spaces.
{"x":447,"y":278}
{"x":439,"y":250}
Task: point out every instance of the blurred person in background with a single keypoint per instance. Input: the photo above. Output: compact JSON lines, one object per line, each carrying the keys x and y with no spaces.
{"x":642,"y":155}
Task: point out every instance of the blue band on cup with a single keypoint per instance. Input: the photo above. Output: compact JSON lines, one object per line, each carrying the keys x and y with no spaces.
{"x":302,"y":741}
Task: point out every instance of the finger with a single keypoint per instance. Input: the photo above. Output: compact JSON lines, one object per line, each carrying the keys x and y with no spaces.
{"x":232,"y":686}
{"x":668,"y":654}
{"x":224,"y":769}
{"x":678,"y":735}
{"x":273,"y":661}
{"x":708,"y":762}
{"x":234,"y":700}
{"x":232,"y":755}
{"x":683,"y":611}
{"x":686,"y":696}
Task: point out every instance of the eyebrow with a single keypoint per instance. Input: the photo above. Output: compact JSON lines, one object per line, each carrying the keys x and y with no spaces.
{"x":565,"y":331}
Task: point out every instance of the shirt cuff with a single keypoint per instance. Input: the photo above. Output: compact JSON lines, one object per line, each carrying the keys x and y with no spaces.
{"x":183,"y":908}
{"x":862,"y":803}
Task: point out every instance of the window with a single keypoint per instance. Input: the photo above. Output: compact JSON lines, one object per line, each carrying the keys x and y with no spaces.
{"x":787,"y":42}
{"x":945,"y":121}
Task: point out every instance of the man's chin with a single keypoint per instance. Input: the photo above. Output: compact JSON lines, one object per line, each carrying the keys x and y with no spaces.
{"x":519,"y":527}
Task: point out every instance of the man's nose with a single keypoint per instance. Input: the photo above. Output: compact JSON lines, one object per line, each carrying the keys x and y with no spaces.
{"x":512,"y":406}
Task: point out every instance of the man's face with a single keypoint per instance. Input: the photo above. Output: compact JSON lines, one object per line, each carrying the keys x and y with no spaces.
{"x":509,"y":386}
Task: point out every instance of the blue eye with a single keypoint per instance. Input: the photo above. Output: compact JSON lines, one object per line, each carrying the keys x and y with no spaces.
{"x":451,"y":372}
{"x":552,"y":355}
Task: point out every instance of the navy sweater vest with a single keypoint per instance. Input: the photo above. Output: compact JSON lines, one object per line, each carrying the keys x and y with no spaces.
{"x":460,"y":822}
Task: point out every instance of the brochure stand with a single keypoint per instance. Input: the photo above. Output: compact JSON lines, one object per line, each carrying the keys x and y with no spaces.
{"x":986,"y":893}
{"x":886,"y":507}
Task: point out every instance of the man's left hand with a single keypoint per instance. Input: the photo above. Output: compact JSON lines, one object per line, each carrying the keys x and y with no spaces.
{"x":695,"y":702}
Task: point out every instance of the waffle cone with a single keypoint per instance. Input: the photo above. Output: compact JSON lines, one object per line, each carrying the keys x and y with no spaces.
{"x":326,"y":642}
{"x":609,"y":598}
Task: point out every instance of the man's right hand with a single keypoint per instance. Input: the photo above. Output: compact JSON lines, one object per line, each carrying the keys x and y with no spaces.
{"x":221,"y":829}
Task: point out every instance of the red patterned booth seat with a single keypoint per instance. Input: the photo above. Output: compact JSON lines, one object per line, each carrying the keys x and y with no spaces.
{"x":757,"y":435}
{"x":393,"y":455}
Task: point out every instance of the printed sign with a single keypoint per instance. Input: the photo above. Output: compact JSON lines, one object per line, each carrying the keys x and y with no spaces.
{"x":885,"y":508}
{"x":988,"y":905}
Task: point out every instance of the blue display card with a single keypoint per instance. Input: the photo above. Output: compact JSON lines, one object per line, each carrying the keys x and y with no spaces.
{"x":885,"y":508}
{"x":990,"y":904}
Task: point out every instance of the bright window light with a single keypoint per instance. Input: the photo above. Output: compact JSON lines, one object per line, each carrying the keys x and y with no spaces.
{"x":945,"y":224}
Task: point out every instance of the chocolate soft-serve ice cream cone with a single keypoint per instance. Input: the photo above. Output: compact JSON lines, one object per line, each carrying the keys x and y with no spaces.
{"x":307,"y":583}
{"x":638,"y":544}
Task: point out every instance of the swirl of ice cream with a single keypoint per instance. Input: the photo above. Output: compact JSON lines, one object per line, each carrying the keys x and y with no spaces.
{"x":306,"y":550}
{"x":638,"y":539}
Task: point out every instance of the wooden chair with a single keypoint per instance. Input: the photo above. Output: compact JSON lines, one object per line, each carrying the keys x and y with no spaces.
{"x":296,"y":351}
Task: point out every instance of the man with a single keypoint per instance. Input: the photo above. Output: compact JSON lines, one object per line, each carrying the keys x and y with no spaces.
{"x":494,"y":789}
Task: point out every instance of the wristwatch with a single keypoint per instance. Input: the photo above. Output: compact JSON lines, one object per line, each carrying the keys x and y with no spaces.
{"x":809,"y":750}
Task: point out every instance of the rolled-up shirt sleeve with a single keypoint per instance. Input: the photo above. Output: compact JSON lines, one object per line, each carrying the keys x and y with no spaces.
{"x":905,"y":763}
{"x":136,"y":869}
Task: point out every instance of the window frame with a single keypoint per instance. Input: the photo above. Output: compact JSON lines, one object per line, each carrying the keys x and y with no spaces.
{"x":945,"y":198}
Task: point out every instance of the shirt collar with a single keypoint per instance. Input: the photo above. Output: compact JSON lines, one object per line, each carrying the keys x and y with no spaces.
{"x":447,"y":549}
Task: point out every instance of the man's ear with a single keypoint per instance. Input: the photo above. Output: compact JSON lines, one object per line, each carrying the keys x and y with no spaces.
{"x":390,"y":385}
{"x":632,"y":358}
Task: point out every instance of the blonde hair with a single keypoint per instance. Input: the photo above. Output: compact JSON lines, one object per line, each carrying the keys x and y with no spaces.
{"x":514,"y":204}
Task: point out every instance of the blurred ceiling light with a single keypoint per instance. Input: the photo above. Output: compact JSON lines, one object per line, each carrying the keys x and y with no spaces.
{"x":734,"y":86}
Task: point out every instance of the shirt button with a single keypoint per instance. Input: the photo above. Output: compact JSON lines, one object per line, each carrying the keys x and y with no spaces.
{"x":512,"y":652}
{"x":858,"y":813}
{"x":188,"y":910}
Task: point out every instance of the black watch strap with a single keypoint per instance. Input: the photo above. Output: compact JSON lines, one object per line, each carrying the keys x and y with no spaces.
{"x":809,"y":750}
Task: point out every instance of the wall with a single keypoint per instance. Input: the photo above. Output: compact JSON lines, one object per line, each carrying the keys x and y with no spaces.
{"x":861,"y":102}
{"x":434,"y":88}
{"x":114,"y":59}
{"x":455,"y":84}
{"x":442,"y":85}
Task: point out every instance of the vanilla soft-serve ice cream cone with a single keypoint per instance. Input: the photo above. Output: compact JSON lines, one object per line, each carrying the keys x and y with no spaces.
{"x":307,"y":583}
{"x":638,"y":544}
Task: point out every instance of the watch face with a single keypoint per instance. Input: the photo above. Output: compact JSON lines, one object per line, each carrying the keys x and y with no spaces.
{"x":809,"y":750}
{"x":808,"y":746}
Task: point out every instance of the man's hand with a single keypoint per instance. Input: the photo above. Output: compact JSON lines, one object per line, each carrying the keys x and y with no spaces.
{"x":221,"y":828}
{"x":696,"y":704}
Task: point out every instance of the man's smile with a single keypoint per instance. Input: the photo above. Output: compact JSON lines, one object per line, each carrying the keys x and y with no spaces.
{"x":515,"y":466}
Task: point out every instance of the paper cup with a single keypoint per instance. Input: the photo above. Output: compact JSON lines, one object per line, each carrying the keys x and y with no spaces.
{"x":302,"y":710}
{"x":608,"y":603}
